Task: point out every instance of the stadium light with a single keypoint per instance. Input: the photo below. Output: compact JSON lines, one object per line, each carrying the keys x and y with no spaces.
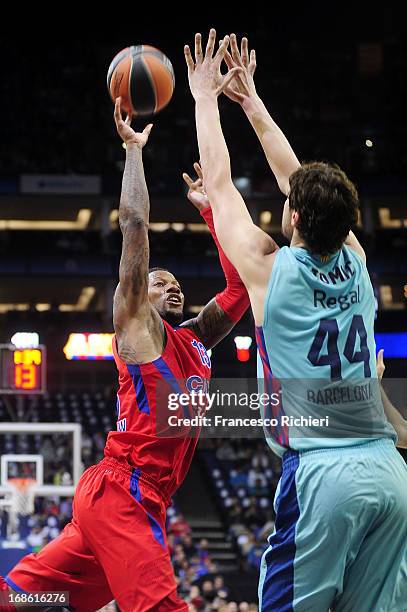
{"x":88,"y":346}
{"x":243,"y":344}
{"x":25,"y":340}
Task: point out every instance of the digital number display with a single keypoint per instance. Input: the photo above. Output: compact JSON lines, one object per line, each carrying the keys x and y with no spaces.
{"x":22,"y":370}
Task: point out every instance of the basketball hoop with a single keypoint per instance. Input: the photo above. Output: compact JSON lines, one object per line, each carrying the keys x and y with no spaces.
{"x":19,"y":501}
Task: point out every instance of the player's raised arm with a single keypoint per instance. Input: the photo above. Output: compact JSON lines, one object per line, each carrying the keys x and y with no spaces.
{"x":246,"y":245}
{"x":132,"y":311}
{"x":279,"y":153}
{"x":222,"y":313}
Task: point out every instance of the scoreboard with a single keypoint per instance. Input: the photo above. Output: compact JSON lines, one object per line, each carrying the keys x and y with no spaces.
{"x":22,"y":370}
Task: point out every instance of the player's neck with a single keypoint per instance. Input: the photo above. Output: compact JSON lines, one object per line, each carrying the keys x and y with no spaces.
{"x":297,"y":241}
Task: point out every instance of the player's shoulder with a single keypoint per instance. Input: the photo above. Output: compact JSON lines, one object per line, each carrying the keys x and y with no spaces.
{"x":356,"y":254}
{"x":289,"y":256}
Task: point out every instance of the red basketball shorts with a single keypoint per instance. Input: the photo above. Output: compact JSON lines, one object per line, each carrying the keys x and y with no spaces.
{"x":114,"y":548}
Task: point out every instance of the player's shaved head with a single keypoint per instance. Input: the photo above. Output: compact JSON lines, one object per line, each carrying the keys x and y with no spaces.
{"x":156,"y":269}
{"x":164,"y":293}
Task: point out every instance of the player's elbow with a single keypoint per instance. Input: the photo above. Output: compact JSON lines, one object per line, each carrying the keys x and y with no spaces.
{"x":131,"y":222}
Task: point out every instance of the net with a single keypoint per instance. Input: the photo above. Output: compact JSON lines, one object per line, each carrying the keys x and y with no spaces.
{"x":22,"y":495}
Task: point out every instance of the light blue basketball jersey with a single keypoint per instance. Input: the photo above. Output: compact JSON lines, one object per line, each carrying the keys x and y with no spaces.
{"x":316,"y":349}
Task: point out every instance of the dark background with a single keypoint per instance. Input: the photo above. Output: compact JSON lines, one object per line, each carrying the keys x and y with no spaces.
{"x":332,"y":77}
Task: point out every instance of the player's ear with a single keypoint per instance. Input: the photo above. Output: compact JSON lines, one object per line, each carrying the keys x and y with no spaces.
{"x":295,"y":217}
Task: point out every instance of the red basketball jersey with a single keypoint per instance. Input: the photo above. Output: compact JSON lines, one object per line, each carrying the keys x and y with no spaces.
{"x":162,"y":460}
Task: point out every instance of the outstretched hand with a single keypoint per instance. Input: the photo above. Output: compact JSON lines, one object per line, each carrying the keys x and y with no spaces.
{"x":196,"y":190}
{"x":241,"y":87}
{"x":204,"y":73}
{"x":380,"y":367}
{"x":126,"y":132}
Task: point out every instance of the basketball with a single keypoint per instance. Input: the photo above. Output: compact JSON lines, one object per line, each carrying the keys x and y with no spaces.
{"x":144,"y":78}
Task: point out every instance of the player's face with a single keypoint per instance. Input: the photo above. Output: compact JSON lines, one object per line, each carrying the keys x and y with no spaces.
{"x":164,"y":292}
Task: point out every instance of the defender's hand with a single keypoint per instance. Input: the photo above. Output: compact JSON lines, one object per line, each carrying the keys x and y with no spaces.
{"x":241,"y":88}
{"x":126,"y":132}
{"x":204,"y":75}
{"x":196,"y":190}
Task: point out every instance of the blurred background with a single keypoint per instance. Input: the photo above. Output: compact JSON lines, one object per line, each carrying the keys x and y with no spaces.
{"x":336,"y":83}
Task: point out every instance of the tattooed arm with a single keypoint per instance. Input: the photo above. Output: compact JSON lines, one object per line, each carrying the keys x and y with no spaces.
{"x":211,"y":325}
{"x":138,"y":327}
